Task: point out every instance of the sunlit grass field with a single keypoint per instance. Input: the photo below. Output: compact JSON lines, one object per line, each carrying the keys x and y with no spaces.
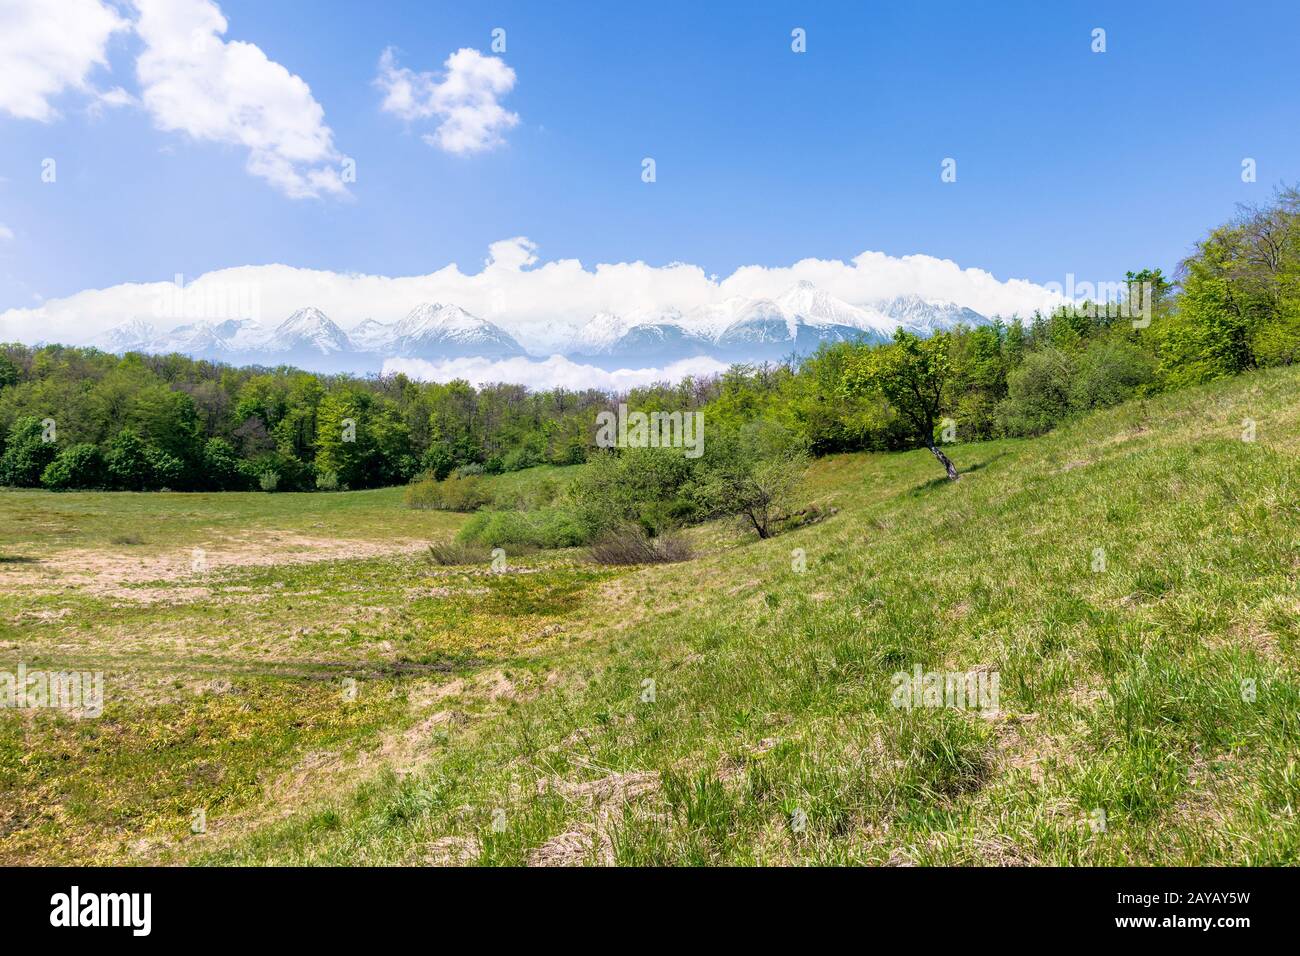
{"x":324,"y":693}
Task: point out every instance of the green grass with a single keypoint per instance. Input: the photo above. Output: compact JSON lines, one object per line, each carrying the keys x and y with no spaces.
{"x":734,"y":709}
{"x":34,"y":523}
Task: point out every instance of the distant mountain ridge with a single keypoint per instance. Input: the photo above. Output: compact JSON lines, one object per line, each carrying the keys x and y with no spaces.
{"x":743,"y":329}
{"x":738,"y":329}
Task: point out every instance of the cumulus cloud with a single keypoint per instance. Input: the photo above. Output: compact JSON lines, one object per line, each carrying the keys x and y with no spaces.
{"x":46,"y":48}
{"x":464,"y":97}
{"x":194,"y":82}
{"x":554,"y":372}
{"x":5,"y":233}
{"x":537,"y":302}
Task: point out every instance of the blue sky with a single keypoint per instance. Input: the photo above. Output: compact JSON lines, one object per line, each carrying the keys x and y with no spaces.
{"x":1067,"y":161}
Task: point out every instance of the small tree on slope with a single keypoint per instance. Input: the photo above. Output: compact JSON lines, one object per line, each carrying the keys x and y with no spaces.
{"x":910,"y":374}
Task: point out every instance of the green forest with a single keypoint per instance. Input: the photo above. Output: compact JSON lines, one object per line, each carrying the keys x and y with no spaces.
{"x":78,"y":418}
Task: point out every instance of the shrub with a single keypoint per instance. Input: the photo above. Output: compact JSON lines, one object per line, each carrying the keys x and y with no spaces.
{"x":976,"y":416}
{"x":1110,"y":371}
{"x":421,"y":494}
{"x":752,"y":473}
{"x":26,"y":454}
{"x":78,"y":466}
{"x":647,"y":486}
{"x":527,"y":496}
{"x":458,"y":553}
{"x":631,"y":545}
{"x":468,"y":493}
{"x":1039,"y":393}
{"x":327,"y":481}
{"x":1277,"y":342}
{"x":268,"y":481}
{"x":437,"y":461}
{"x":521,"y":458}
{"x":549,"y":528}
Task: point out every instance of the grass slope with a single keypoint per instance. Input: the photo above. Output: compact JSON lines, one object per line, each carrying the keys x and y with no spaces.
{"x":326,"y":695}
{"x":1149,"y":711}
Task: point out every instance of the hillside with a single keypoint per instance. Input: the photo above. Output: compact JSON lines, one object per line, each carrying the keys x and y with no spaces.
{"x":499,"y":718}
{"x":1120,"y":689}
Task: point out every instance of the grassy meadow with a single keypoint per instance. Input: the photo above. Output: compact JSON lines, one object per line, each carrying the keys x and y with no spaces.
{"x":318,"y":691}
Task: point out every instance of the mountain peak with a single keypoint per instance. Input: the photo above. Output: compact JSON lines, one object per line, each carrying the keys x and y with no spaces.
{"x":598,"y":334}
{"x":927,"y":316}
{"x":310,"y":329}
{"x":448,"y":330}
{"x":126,"y":336}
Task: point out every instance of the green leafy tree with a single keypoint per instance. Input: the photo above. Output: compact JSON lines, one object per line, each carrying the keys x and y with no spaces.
{"x":1039,"y":393}
{"x":911,"y":374}
{"x":165,"y":469}
{"x":127,"y":463}
{"x":221,"y":466}
{"x":8,"y":372}
{"x":752,"y":472}
{"x":344,"y":440}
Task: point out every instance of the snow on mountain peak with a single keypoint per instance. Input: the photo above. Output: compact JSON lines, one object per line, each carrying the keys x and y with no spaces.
{"x":597,"y":334}
{"x":650,"y":315}
{"x":309,"y":328}
{"x":819,"y":308}
{"x":127,"y":336}
{"x":433,"y":326}
{"x":928,"y":316}
{"x":738,"y":328}
{"x":370,"y":336}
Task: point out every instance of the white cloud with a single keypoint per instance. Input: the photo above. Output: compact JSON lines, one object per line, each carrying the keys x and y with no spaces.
{"x":533,"y":300}
{"x":48,"y":47}
{"x":465,"y":98}
{"x":511,"y":254}
{"x":5,"y":233}
{"x":554,"y":372}
{"x":113,"y":98}
{"x":221,"y":91}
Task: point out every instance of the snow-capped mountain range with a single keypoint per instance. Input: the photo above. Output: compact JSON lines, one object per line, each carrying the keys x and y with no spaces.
{"x":739,"y":329}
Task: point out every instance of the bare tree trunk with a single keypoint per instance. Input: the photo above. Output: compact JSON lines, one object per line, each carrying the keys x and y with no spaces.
{"x":945,"y":461}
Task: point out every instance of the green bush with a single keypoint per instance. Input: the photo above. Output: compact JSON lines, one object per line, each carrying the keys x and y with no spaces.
{"x":1039,"y":393}
{"x":645,"y":486}
{"x":78,"y":466}
{"x":976,"y":417}
{"x":752,"y":473}
{"x":521,"y":458}
{"x":26,"y":453}
{"x":1110,"y":371}
{"x":549,"y":528}
{"x":453,"y":493}
{"x":1277,"y":342}
{"x":527,"y":495}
